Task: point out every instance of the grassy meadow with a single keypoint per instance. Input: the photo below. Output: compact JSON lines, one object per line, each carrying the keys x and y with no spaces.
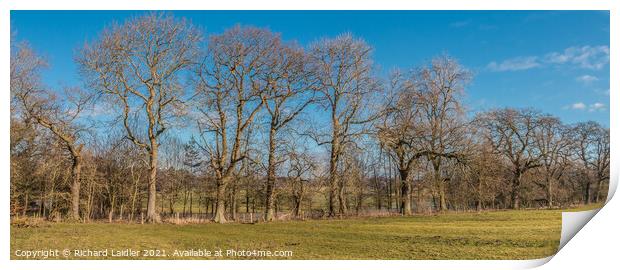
{"x":522,"y":234}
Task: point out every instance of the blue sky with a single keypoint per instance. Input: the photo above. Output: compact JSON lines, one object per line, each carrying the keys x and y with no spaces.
{"x":554,"y":61}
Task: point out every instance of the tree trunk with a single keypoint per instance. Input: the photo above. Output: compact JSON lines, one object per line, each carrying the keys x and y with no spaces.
{"x":111,"y":212}
{"x":133,"y":201}
{"x":342,"y":199}
{"x":479,"y":201}
{"x":358,"y":205}
{"x":271,"y":176}
{"x":171,"y":205}
{"x":405,"y":187}
{"x":26,"y":202}
{"x":151,"y":210}
{"x":184,"y":201}
{"x":233,"y":201}
{"x":419,"y":206}
{"x":247,"y":201}
{"x":76,"y":169}
{"x":276,"y":207}
{"x":333,"y":178}
{"x":441,"y":189}
{"x":220,"y":208}
{"x":389,"y":190}
{"x":599,"y":190}
{"x":207,"y":202}
{"x":549,"y":193}
{"x":443,"y":206}
{"x":516,"y":185}
{"x":191,"y":203}
{"x":297,"y":206}
{"x":587,"y":193}
{"x":161,"y":206}
{"x":298,"y":197}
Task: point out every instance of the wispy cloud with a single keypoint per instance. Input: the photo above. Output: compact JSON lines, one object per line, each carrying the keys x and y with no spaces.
{"x":586,"y":79}
{"x":588,"y":57}
{"x":518,"y":63}
{"x":585,"y":57}
{"x":597,"y":107}
{"x":580,"y":106}
{"x":602,"y":92}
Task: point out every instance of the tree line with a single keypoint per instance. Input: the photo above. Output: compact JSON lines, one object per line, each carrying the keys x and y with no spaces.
{"x":244,"y":119}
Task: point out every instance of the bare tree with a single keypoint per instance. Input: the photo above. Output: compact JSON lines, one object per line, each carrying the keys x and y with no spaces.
{"x":591,"y":147}
{"x":426,"y":120}
{"x":138,"y":65}
{"x":287,"y":95}
{"x":300,"y":169}
{"x":46,"y":108}
{"x":342,"y":67}
{"x":356,"y":174}
{"x":552,"y":142}
{"x":482,"y":173}
{"x":512,"y":133}
{"x":231,"y":82}
{"x":442,"y":122}
{"x":399,"y":132}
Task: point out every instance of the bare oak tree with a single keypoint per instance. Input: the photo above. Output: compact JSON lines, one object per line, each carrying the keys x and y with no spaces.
{"x":442,"y":119}
{"x":57,"y":114}
{"x":342,"y":67}
{"x":483,"y":173}
{"x":288,"y":93}
{"x":552,"y":142}
{"x":231,"y":83}
{"x":400,"y":134}
{"x":591,"y":147}
{"x":512,"y":133}
{"x":138,"y":65}
{"x":427,"y":120}
{"x":300,"y":170}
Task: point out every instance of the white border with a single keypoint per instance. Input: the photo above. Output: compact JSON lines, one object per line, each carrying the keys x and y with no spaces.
{"x":7,"y":5}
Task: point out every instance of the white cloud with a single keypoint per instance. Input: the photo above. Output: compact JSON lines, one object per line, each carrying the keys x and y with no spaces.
{"x":597,"y":107}
{"x":578,"y":106}
{"x":514,"y":64}
{"x":587,"y":79}
{"x":556,"y":58}
{"x":585,"y":57}
{"x":588,"y":57}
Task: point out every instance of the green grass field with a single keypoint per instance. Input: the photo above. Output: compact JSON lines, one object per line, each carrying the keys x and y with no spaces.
{"x":523,"y":234}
